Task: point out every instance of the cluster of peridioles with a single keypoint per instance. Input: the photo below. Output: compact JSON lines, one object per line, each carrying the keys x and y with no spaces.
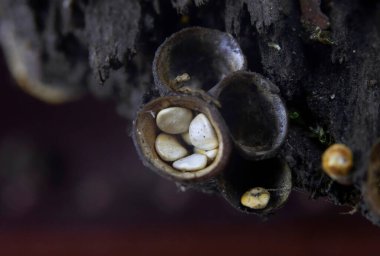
{"x":196,"y":133}
{"x":232,"y":120}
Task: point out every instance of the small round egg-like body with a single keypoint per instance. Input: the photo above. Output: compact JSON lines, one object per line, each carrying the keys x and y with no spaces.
{"x":256,"y":198}
{"x":168,"y":148}
{"x":186,"y":137}
{"x":202,"y":134}
{"x":191,"y":163}
{"x":211,"y":154}
{"x":337,"y":162}
{"x":174,"y":120}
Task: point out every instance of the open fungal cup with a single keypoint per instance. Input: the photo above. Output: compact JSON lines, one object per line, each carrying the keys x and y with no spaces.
{"x":182,"y":138}
{"x":206,"y":55}
{"x":258,"y":187}
{"x":254,"y":112}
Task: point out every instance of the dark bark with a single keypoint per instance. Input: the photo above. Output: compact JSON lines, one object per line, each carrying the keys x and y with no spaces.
{"x":322,"y":56}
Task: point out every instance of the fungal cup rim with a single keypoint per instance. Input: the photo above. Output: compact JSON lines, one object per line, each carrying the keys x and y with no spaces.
{"x":161,"y":67}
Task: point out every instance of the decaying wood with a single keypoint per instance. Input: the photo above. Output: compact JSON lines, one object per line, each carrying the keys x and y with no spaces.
{"x":323,"y":56}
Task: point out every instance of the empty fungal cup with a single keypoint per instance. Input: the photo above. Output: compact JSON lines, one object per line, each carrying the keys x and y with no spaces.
{"x":254,"y":113}
{"x":205,"y":55}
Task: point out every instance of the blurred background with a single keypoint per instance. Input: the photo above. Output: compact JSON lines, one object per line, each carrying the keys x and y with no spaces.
{"x":71,"y":184}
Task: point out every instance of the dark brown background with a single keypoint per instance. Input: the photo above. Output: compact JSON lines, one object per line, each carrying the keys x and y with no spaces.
{"x":71,"y":184}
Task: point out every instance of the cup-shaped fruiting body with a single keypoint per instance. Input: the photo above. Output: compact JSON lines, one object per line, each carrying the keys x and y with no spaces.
{"x":372,"y":187}
{"x":193,"y":166}
{"x":337,"y":163}
{"x":200,"y":56}
{"x":259,"y":187}
{"x":254,"y":112}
